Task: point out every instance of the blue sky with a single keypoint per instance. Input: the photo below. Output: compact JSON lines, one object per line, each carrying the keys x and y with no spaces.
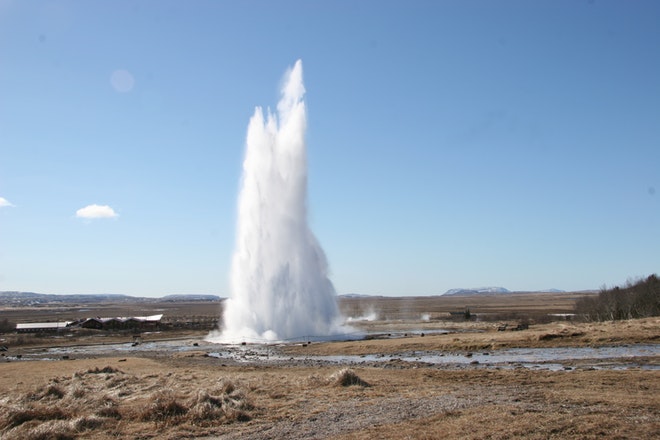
{"x":451,"y":143}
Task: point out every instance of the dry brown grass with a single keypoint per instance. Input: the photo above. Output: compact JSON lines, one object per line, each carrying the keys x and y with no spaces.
{"x":398,"y":310}
{"x":484,"y":336}
{"x":438,"y":307}
{"x":190,"y":397}
{"x":92,"y":401}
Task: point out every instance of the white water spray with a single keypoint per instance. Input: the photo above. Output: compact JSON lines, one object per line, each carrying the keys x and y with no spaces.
{"x":279,"y":284}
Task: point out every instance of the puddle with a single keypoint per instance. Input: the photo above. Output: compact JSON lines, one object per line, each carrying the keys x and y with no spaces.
{"x":56,"y":353}
{"x":556,"y":359}
{"x":540,"y":355}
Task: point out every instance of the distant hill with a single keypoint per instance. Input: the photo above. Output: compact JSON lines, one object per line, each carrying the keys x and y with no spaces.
{"x":359,"y":295}
{"x":190,"y":297}
{"x":493,"y":291}
{"x":477,"y":290}
{"x":18,"y":299}
{"x":460,"y":292}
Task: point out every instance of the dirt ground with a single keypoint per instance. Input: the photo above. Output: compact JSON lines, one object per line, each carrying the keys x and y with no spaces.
{"x":192,"y":395}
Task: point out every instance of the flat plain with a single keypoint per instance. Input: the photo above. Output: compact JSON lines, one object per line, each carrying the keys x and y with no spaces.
{"x":373,"y":387}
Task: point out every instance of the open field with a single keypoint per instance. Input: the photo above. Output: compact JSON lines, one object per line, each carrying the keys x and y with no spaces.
{"x":70,"y":312}
{"x":484,"y":305}
{"x":387,"y":308}
{"x":152,"y":392}
{"x":180,"y":318}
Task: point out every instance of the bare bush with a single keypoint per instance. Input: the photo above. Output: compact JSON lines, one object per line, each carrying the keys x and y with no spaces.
{"x":7,"y":326}
{"x":639,"y":299}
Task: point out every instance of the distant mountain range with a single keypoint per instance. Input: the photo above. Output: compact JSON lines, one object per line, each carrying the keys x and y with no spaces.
{"x":17,"y":299}
{"x":492,"y":291}
{"x":475,"y":290}
{"x":32,"y":298}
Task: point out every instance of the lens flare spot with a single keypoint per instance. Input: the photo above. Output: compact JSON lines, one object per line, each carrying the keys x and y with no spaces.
{"x":122,"y":81}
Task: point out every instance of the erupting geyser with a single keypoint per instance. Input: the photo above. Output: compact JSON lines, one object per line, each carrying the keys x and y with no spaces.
{"x":279,"y":284}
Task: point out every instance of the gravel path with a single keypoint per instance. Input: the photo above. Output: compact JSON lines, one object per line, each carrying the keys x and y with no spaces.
{"x":347,"y":416}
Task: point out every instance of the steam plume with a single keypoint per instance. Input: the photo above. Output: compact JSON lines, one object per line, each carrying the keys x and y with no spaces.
{"x":279,"y":284}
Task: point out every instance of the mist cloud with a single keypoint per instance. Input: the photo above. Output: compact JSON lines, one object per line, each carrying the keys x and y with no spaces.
{"x":5,"y":203}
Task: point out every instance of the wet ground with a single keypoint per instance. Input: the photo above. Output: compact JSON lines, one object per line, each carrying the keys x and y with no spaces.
{"x":640,"y":356}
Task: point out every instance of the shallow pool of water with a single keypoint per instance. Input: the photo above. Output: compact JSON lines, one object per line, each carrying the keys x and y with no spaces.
{"x":625,"y":356}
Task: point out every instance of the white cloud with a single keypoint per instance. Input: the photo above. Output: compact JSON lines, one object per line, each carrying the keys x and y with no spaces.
{"x":4,"y":202}
{"x":96,"y":211}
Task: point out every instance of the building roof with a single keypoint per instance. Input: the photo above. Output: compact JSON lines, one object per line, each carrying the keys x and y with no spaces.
{"x":64,"y":324}
{"x":44,"y":325}
{"x":152,"y":318}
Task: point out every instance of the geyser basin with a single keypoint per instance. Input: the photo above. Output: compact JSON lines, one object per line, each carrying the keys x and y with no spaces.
{"x":280,"y":289}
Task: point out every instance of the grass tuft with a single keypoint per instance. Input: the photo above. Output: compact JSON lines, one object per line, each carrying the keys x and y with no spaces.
{"x":108,"y":409}
{"x":50,"y":430}
{"x":77,"y":392}
{"x":164,"y":407}
{"x":107,"y":369}
{"x":347,"y":377}
{"x":225,"y":407}
{"x":227,"y":386}
{"x":17,"y":416}
{"x":87,"y":423}
{"x":54,"y":391}
{"x":86,"y":406}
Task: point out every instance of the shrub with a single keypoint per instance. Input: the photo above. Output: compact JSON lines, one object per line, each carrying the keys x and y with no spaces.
{"x":7,"y":326}
{"x":635,"y":300}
